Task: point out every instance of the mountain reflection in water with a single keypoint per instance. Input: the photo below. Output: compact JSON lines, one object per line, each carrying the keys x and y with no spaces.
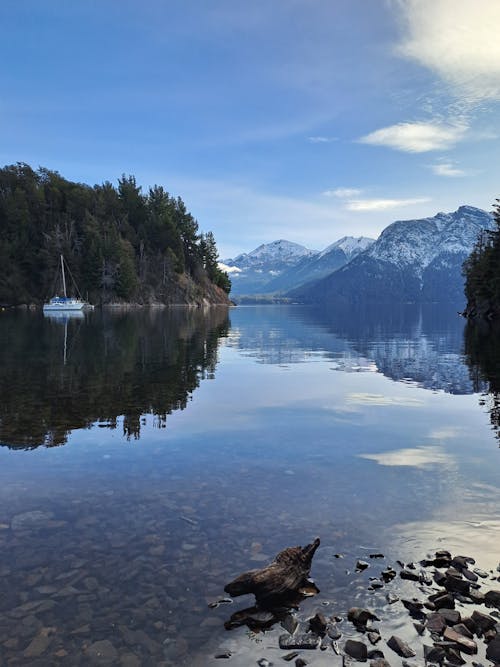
{"x":63,"y":374}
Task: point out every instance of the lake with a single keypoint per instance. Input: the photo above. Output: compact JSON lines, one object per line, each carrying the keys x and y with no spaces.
{"x":149,"y":457}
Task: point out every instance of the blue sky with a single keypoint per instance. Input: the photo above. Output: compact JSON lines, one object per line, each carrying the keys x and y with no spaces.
{"x":298,"y":119}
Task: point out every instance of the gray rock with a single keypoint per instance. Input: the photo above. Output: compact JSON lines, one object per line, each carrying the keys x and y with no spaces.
{"x":400,"y":647}
{"x":391,"y":598}
{"x":436,"y":623}
{"x":356,"y":650}
{"x":300,"y":662}
{"x":318,"y":624}
{"x":290,"y":656}
{"x":102,"y":652}
{"x":362,"y":565}
{"x":333,"y":632}
{"x":30,"y":520}
{"x":480,"y":573}
{"x":451,"y":616}
{"x":303,"y":641}
{"x":379,"y":662}
{"x":39,"y":644}
{"x":411,"y":575}
{"x":462,"y":629}
{"x":264,"y":662}
{"x":289,"y":623}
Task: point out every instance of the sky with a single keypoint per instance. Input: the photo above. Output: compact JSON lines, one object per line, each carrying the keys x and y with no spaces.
{"x":305,"y":120}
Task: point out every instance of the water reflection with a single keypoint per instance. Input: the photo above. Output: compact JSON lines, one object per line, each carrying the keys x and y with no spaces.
{"x":64,"y":373}
{"x":421,"y":345}
{"x":483,"y":356}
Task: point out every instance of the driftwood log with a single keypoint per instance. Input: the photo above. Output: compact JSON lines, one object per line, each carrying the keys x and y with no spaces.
{"x":279,"y":581}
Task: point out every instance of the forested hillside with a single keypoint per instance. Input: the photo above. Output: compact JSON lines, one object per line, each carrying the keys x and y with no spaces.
{"x":121,"y":245}
{"x":482,"y":273}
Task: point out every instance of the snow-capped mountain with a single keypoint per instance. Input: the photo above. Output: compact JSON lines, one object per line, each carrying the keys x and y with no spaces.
{"x":320,"y":265}
{"x":259,"y":267}
{"x":411,"y":261}
{"x":277,"y":267}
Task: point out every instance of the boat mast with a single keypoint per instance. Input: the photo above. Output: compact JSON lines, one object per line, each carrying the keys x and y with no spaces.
{"x":63,"y":276}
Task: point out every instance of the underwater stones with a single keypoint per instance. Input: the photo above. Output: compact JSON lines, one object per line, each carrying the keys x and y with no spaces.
{"x":39,"y":644}
{"x":31,"y":520}
{"x":318,"y":624}
{"x":102,"y":652}
{"x":360,"y":617}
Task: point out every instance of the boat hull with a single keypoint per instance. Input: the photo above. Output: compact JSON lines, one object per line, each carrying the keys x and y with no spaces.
{"x":61,"y":304}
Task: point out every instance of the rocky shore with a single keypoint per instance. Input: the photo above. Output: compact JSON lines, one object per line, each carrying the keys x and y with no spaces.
{"x":452,"y":609}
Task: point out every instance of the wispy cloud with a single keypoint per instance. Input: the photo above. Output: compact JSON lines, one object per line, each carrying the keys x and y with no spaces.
{"x":342,"y":193}
{"x":382,"y":400}
{"x":458,"y":40}
{"x":417,"y":137}
{"x":321,"y":140}
{"x":446,"y":169}
{"x":382,"y":204}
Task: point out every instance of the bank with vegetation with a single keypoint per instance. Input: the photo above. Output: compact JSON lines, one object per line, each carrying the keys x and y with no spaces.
{"x":482,"y":274}
{"x":122,"y":246}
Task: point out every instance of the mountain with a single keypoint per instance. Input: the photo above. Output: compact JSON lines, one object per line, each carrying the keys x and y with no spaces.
{"x":412,"y":261}
{"x":259,"y":267}
{"x":320,"y":265}
{"x":280,"y":266}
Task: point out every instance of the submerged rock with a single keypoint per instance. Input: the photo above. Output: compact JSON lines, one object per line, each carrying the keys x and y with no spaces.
{"x":400,"y":647}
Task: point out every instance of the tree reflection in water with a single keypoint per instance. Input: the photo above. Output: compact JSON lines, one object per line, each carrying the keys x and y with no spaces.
{"x":482,"y":352}
{"x":61,"y":375}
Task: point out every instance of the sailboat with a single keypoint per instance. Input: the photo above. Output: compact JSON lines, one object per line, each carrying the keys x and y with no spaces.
{"x":65,"y":302}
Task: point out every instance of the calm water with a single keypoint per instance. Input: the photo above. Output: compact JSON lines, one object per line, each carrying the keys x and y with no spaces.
{"x":148,"y":458}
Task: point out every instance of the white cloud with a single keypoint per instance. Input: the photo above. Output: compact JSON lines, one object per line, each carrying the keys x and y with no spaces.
{"x":416,"y":137}
{"x":446,"y":169}
{"x":382,"y":400}
{"x":342,"y":193}
{"x":382,"y":204}
{"x":321,"y":140}
{"x":228,"y":269}
{"x":417,"y":457}
{"x":458,"y":40}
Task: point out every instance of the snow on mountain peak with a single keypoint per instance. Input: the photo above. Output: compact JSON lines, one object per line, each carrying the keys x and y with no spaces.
{"x":350,"y":245}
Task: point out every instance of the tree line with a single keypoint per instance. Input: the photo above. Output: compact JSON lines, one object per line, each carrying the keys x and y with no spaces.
{"x":119,"y":242}
{"x":482,"y":272}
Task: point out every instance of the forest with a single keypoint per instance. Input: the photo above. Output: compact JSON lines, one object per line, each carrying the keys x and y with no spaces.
{"x":482,"y":273}
{"x":121,"y":245}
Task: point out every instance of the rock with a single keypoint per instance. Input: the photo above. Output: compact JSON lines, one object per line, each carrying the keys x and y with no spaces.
{"x":377,"y":555}
{"x":400,"y":647}
{"x":436,"y":623}
{"x":333,"y":632}
{"x":318,"y":624}
{"x":443,"y":601}
{"x":302,"y":641}
{"x":360,"y":616}
{"x":300,"y":662}
{"x":462,"y":643}
{"x":454,"y":657}
{"x":433,"y":654}
{"x":492,"y":599}
{"x":391,"y":598}
{"x":476,"y":596}
{"x":379,"y":662}
{"x":419,"y":627}
{"x":480,"y":573}
{"x":482,"y":621}
{"x":388,"y":574}
{"x":462,"y":562}
{"x":375,"y":654}
{"x":411,"y":575}
{"x":457,"y":585}
{"x":39,"y":644}
{"x":102,"y":652}
{"x":493,"y":650}
{"x":462,"y":629}
{"x":451,"y":616}
{"x":30,"y":520}
{"x":470,"y":575}
{"x":356,"y":650}
{"x":289,"y":623}
{"x":374,"y":637}
{"x":264,"y":662}
{"x":414,"y":607}
{"x":290,"y":656}
{"x":361,"y":565}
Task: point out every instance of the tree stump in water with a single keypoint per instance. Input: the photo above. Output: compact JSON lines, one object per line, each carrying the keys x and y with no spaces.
{"x":280,"y":581}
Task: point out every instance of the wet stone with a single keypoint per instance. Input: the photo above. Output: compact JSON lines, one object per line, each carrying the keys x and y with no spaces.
{"x":356,"y":650}
{"x":318,"y":624}
{"x":361,"y":616}
{"x":289,"y":623}
{"x":361,"y":565}
{"x":264,"y":662}
{"x":400,"y":647}
{"x":302,"y":641}
{"x":290,"y":656}
{"x":480,"y":573}
{"x":492,"y":598}
{"x":300,"y":662}
{"x":39,"y":644}
{"x":482,"y":621}
{"x":411,"y":575}
{"x":451,"y":616}
{"x":463,"y":630}
{"x":333,"y":632}
{"x":436,"y":623}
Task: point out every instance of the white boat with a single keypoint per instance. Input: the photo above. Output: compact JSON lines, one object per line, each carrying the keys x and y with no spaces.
{"x":65,"y":302}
